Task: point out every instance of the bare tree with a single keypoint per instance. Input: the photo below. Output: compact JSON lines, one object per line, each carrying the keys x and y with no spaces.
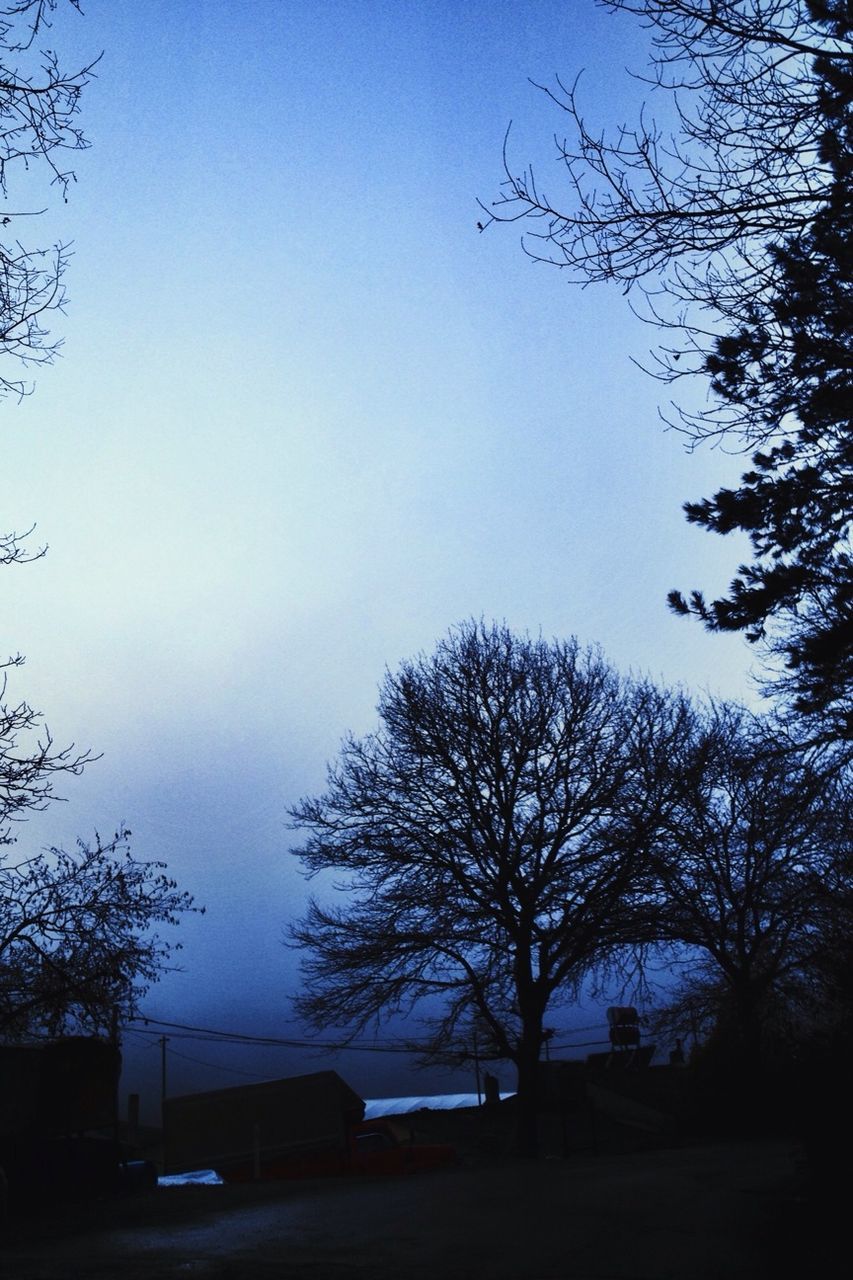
{"x":686,"y":212}
{"x":13,"y":548}
{"x":491,"y":835}
{"x":77,"y":947}
{"x":39,"y":105}
{"x":76,"y":929}
{"x":732,"y":224}
{"x":76,"y":940}
{"x":29,"y":761}
{"x":745,"y":858}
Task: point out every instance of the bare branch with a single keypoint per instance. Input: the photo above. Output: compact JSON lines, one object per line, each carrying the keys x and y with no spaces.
{"x":491,"y":835}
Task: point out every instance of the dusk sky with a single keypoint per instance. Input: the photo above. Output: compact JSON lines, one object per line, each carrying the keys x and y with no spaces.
{"x":306,"y":419}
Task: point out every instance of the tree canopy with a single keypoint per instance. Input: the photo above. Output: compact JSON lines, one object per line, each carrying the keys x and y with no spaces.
{"x":78,"y":946}
{"x":491,"y":834}
{"x":734,"y":226}
{"x":39,"y":106}
{"x":77,"y":929}
{"x":743,"y":861}
{"x":688,"y":209}
{"x":786,"y":371}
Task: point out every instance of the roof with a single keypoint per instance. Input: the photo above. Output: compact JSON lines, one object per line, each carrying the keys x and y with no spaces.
{"x":375,"y":1107}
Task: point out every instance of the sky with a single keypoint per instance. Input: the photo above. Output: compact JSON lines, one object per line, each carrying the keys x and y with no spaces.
{"x":306,"y":419}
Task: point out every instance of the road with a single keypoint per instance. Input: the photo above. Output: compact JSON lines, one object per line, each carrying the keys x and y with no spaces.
{"x":698,"y":1213}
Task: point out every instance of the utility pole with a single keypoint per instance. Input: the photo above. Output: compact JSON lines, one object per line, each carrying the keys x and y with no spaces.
{"x":164,"y":1040}
{"x":477,"y":1069}
{"x":116,"y":1044}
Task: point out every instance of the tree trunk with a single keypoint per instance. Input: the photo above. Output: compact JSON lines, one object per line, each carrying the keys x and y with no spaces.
{"x":747,"y":1026}
{"x":526,"y":1141}
{"x":531,"y":1006}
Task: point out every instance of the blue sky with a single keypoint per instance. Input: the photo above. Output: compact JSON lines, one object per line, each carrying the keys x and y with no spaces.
{"x":306,"y":419}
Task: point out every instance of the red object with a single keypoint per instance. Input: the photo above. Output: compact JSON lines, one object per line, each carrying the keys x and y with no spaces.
{"x":373,"y":1149}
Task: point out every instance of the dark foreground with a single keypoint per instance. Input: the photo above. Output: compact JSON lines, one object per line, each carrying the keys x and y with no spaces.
{"x":691,"y":1213}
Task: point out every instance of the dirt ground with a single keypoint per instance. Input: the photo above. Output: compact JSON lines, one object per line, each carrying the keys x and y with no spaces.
{"x":618,"y":1210}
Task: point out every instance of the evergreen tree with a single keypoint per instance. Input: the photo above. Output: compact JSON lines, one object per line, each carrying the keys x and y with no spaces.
{"x":788,"y":372}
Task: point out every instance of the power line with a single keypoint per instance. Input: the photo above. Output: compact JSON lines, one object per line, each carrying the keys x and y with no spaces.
{"x":188,"y":1031}
{"x":580,"y":1044}
{"x":215,"y":1066}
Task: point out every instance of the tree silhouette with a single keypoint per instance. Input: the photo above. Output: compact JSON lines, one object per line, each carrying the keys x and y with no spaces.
{"x":75,"y":928}
{"x":744,"y":859}
{"x":734,"y":228}
{"x":77,"y":940}
{"x":491,"y":837}
{"x":787,"y":371}
{"x":39,"y":106}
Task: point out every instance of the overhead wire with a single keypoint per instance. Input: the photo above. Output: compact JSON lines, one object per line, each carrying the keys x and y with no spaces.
{"x":216,"y":1066}
{"x":188,"y":1031}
